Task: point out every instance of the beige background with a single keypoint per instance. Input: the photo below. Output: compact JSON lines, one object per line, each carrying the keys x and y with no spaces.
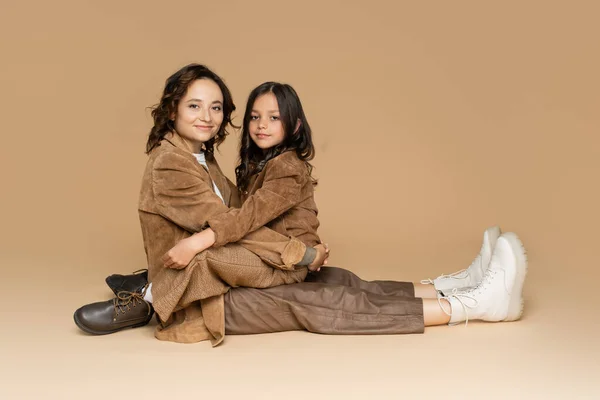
{"x":432,"y":120}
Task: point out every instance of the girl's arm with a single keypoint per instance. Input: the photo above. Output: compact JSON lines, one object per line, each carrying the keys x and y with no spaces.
{"x":282,"y":189}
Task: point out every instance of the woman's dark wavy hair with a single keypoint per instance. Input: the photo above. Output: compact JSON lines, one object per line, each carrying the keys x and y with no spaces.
{"x":175,"y":88}
{"x":252,"y":158}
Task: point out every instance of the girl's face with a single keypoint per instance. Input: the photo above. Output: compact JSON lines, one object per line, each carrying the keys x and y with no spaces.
{"x":266,"y":129}
{"x":200,"y":113}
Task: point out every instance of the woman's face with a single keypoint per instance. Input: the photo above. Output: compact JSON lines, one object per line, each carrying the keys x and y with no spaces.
{"x":266,"y":128}
{"x":200,"y":113}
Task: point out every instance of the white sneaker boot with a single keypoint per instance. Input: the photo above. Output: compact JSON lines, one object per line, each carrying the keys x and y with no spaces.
{"x":474,"y":273}
{"x":499,"y":296}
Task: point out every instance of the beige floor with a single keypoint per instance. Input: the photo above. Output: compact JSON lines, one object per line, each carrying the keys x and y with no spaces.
{"x":431,"y":121}
{"x":551,"y":353}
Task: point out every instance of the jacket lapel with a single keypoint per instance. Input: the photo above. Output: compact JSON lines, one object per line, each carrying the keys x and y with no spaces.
{"x":214,"y":171}
{"x":219,"y":178}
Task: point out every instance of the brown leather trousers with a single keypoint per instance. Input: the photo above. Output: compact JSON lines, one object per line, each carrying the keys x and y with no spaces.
{"x":332,"y":301}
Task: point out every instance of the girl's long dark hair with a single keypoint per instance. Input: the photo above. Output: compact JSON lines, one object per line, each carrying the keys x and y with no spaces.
{"x":175,"y":88}
{"x":252,"y":158}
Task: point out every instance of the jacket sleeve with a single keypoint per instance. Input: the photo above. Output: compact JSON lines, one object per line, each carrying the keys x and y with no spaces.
{"x":281,"y":190}
{"x":185,"y":198}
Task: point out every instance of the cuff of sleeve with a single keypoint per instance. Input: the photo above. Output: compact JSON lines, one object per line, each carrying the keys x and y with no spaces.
{"x":309,"y":256}
{"x":217,"y":226}
{"x":293,"y":253}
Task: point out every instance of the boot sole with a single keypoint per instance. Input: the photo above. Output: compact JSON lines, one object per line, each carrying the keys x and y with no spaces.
{"x":515,"y":308}
{"x":94,"y":332}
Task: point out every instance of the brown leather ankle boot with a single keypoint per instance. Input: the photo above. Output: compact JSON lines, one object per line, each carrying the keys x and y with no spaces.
{"x":127,"y":310}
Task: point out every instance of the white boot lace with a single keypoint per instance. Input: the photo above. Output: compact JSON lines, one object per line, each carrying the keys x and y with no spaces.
{"x":460,"y":296}
{"x":454,"y":275}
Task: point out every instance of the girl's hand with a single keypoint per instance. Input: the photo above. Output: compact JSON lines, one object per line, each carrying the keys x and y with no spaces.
{"x":321,"y":258}
{"x":183,"y":252}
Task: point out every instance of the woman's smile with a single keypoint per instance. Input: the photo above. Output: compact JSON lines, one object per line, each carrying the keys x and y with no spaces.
{"x":204,"y":127}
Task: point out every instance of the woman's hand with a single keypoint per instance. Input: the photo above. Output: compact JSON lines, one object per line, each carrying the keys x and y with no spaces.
{"x":183,"y":252}
{"x":321,"y":258}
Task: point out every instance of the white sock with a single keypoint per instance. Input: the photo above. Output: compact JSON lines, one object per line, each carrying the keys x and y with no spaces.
{"x":457,"y":313}
{"x":148,"y":294}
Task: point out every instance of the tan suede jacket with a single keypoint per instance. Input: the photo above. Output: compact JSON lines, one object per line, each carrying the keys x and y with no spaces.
{"x":281,"y":197}
{"x":176,"y":200}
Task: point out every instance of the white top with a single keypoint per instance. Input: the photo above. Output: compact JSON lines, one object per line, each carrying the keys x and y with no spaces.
{"x":202,"y":160}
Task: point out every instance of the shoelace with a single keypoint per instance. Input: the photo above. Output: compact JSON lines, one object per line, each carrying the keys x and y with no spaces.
{"x":461,"y":295}
{"x":453,"y":275}
{"x":125,"y":300}
{"x":429,"y":281}
{"x":139,"y":271}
